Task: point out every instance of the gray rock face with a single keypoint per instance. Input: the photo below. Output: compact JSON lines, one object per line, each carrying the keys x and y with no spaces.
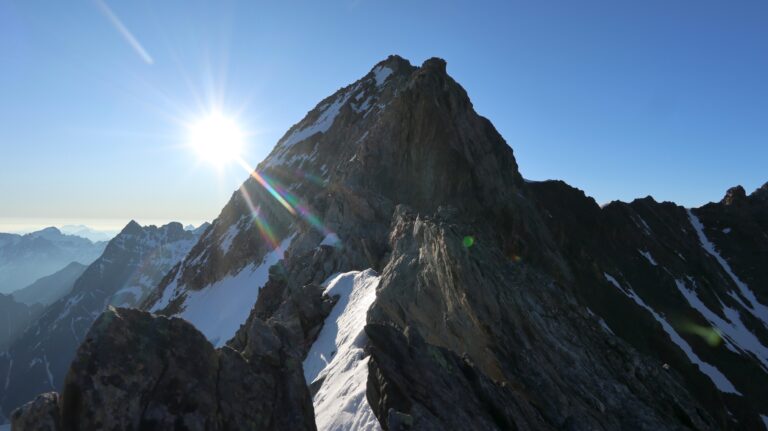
{"x":500,"y":304}
{"x":138,"y":371}
{"x":40,"y":414}
{"x":514,"y":325}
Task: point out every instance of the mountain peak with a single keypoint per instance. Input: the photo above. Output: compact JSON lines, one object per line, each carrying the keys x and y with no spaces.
{"x":436,"y":64}
{"x":735,"y":196}
{"x":394,"y":61}
{"x":47,"y":233}
{"x":132,"y":228}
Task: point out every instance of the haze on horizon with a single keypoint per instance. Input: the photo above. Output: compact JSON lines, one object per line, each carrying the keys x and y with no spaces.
{"x":620,"y":100}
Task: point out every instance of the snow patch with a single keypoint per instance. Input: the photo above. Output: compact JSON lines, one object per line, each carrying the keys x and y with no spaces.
{"x":168,"y":293}
{"x":380,"y":74}
{"x":337,"y":356}
{"x":321,"y":125}
{"x":721,"y":382}
{"x":639,"y":222}
{"x":226,"y":240}
{"x":727,"y":230}
{"x":48,"y":371}
{"x":600,"y":321}
{"x":363,"y":106}
{"x":757,"y":309}
{"x":648,"y":257}
{"x":219,"y":309}
{"x":733,"y":330}
{"x":331,"y":239}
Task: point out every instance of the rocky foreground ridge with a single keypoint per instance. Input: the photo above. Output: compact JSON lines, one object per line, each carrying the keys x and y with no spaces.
{"x":387,"y":267}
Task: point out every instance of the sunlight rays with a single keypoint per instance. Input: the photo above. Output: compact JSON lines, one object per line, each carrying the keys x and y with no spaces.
{"x":124,"y":32}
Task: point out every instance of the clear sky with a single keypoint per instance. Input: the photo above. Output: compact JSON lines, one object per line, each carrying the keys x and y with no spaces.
{"x":622,"y":99}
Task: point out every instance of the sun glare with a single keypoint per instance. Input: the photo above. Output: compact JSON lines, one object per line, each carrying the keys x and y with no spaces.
{"x":216,"y":139}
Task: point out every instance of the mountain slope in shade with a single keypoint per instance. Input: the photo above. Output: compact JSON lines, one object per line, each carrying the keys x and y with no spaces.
{"x":133,"y":263}
{"x":47,"y":290}
{"x":499,"y":303}
{"x":26,"y":258}
{"x":14,"y":318}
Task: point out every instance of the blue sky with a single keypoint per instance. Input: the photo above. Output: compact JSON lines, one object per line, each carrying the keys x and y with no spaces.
{"x":621,"y":99}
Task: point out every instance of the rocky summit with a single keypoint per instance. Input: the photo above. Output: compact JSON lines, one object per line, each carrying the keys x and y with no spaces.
{"x":387,"y":267}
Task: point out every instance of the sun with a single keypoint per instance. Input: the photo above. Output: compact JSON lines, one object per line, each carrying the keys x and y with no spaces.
{"x":216,"y":138}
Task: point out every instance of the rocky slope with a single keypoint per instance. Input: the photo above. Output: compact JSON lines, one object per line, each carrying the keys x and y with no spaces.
{"x":387,"y":267}
{"x":133,"y":262}
{"x":25,"y":258}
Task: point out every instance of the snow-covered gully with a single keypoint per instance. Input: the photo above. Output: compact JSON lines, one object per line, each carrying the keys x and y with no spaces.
{"x":338,"y":359}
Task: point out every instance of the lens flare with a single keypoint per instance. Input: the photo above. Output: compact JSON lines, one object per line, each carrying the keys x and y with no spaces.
{"x":289,"y":201}
{"x":711,"y":335}
{"x":261,"y":223}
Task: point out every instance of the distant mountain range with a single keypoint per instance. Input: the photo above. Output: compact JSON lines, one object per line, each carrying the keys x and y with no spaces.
{"x":26,"y":258}
{"x":131,"y":265}
{"x":84,"y":231}
{"x":47,"y":290}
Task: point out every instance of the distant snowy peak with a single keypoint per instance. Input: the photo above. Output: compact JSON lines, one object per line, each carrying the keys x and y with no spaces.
{"x":95,"y":235}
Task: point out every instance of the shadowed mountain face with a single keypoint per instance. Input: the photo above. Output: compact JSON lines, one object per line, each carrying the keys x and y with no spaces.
{"x":15,"y":318}
{"x":25,"y":258}
{"x":47,"y":290}
{"x":387,"y":267}
{"x":133,"y":262}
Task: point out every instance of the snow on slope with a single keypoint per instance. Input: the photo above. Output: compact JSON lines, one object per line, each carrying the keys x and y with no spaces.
{"x":219,"y":309}
{"x":648,"y":257}
{"x":321,"y":125}
{"x":337,"y":356}
{"x":733,"y":331}
{"x":753,"y":305}
{"x":380,"y":74}
{"x":718,"y":378}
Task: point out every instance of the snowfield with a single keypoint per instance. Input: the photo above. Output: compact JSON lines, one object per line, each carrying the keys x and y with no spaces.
{"x":337,"y":356}
{"x":219,"y":309}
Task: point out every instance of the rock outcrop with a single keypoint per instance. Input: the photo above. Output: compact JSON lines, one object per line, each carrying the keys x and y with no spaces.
{"x":132,"y":264}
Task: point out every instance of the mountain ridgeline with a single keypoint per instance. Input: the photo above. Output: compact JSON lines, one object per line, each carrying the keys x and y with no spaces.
{"x":387,"y":267}
{"x":26,"y":258}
